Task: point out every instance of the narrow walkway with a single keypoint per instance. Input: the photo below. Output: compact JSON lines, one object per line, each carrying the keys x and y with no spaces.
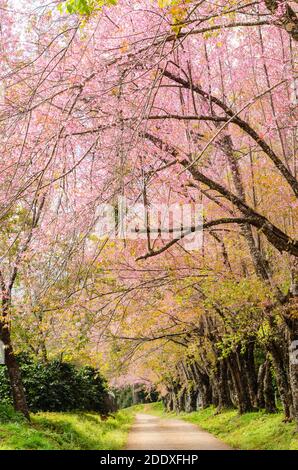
{"x":154,"y":433}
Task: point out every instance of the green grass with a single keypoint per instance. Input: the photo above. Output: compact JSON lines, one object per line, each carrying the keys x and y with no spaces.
{"x":64,"y":431}
{"x":258,"y":430}
{"x":86,"y":431}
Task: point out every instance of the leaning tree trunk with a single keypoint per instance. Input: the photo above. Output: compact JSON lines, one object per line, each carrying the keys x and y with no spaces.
{"x":14,"y":373}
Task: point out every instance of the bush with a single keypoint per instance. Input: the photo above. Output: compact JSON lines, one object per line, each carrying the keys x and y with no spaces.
{"x":58,"y":386}
{"x":133,"y":395}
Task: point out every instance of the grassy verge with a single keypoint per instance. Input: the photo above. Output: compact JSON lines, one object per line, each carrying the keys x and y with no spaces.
{"x":63,"y":431}
{"x":249,"y":431}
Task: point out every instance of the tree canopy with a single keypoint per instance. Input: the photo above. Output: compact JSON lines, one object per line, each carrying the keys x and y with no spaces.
{"x":163,"y":103}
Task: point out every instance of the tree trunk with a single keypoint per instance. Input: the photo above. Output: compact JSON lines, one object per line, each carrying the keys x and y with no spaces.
{"x":204,"y":395}
{"x":191,"y":400}
{"x":269,"y":396}
{"x":261,"y":377}
{"x":223,"y":390}
{"x":181,"y":394}
{"x":257,"y":257}
{"x":292,"y":323}
{"x":168,"y":400}
{"x":282,"y":379}
{"x":240,"y":383}
{"x":293,"y":361}
{"x":14,"y":373}
{"x":250,"y":371}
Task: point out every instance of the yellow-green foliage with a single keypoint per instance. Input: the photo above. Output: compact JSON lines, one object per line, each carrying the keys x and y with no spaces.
{"x":84,"y":7}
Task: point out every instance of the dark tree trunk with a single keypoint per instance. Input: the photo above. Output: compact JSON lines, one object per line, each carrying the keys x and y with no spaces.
{"x":202,"y":381}
{"x":250,"y":370}
{"x":269,"y":395}
{"x":181,"y":394}
{"x":169,"y":402}
{"x":293,"y":361}
{"x":205,"y":395}
{"x":240,"y":383}
{"x":282,"y":377}
{"x":261,"y":376}
{"x":215,"y":392}
{"x":204,"y":398}
{"x":14,"y":373}
{"x":191,"y":400}
{"x":291,"y":318}
{"x":223,"y":389}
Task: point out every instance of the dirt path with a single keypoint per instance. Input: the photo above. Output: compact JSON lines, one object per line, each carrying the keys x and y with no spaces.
{"x":154,"y":433}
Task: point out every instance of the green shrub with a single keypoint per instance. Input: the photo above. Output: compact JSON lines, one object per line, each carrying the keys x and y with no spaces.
{"x":8,"y":414}
{"x":132,"y":395}
{"x":58,"y":386}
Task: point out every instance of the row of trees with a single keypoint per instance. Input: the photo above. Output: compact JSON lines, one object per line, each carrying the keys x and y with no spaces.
{"x":253,"y":374}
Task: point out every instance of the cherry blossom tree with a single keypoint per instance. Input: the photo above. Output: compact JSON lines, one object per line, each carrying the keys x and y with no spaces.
{"x":161,"y":102}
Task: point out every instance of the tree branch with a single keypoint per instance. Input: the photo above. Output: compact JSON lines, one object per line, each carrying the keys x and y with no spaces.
{"x":280,"y":240}
{"x":291,"y":180}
